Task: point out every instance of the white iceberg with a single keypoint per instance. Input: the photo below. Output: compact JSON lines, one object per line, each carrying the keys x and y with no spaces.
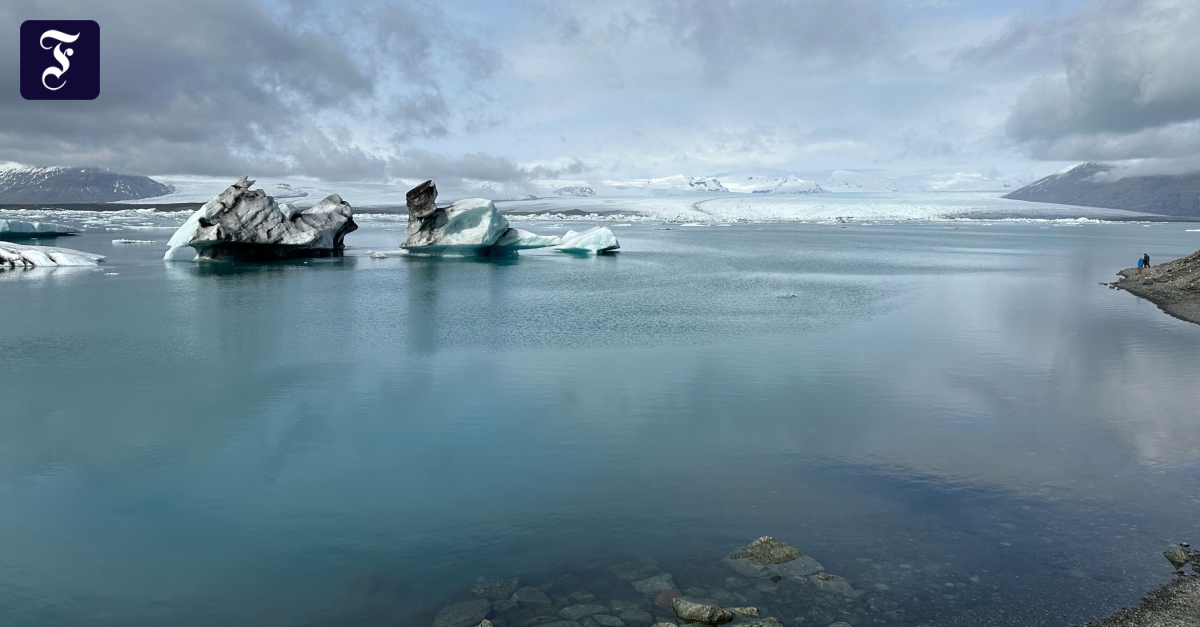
{"x":468,"y":227}
{"x":246,"y":223}
{"x":10,"y":229}
{"x":596,"y":240}
{"x":517,"y":239}
{"x":17,"y":255}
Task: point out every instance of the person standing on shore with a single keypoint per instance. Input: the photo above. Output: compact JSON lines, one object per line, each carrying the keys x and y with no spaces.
{"x":1141,"y":263}
{"x":1146,"y":259}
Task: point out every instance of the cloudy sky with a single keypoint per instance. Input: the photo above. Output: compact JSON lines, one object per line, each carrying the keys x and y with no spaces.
{"x":521,"y":91}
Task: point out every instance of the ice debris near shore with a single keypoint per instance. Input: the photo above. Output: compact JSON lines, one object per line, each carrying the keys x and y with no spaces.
{"x":246,"y":223}
{"x":12,"y":229}
{"x":17,"y":255}
{"x":475,"y":227}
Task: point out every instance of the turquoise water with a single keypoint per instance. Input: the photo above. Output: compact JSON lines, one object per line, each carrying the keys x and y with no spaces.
{"x":356,"y":441}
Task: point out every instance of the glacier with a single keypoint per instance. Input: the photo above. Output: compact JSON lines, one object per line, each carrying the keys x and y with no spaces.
{"x":246,"y":223}
{"x":17,"y":255}
{"x":594,"y":241}
{"x":11,"y":229}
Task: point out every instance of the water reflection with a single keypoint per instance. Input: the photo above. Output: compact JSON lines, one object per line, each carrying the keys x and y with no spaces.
{"x":359,"y":440}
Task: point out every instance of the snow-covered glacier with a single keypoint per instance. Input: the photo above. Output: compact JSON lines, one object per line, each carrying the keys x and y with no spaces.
{"x":246,"y":223}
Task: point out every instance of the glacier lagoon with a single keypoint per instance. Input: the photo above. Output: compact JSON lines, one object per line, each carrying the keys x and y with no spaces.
{"x":953,"y":415}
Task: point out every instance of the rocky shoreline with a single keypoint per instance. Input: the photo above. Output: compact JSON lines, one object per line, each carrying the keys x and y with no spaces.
{"x":1174,"y":604}
{"x":1174,"y":286}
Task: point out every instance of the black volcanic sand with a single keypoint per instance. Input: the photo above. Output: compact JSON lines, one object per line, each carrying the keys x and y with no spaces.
{"x":1174,"y":286}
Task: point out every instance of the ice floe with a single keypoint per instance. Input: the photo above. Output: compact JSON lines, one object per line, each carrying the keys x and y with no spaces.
{"x":596,"y":240}
{"x":20,"y":256}
{"x":11,"y":229}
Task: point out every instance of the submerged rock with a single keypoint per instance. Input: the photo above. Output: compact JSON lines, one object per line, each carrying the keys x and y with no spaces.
{"x":700,"y":612}
{"x":768,"y":556}
{"x":465,"y":614}
{"x":771,"y":621}
{"x":637,"y":617}
{"x":496,"y":589}
{"x":246,"y":223}
{"x":20,"y":229}
{"x":21,"y":256}
{"x":637,"y":569}
{"x":576,"y":612}
{"x":655,"y":584}
{"x":767,"y":550}
{"x":531,"y":596}
{"x":468,"y":227}
{"x":832,"y":583}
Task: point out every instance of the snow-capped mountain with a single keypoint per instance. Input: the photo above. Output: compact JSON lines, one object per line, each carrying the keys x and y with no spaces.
{"x":669,"y":185}
{"x":578,"y":191}
{"x":758,"y":184}
{"x":24,"y":184}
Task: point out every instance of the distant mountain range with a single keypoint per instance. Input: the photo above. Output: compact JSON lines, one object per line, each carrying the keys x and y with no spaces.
{"x":31,"y":185}
{"x":1088,"y":184}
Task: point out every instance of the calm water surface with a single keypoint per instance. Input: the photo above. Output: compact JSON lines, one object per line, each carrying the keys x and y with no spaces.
{"x":955,"y":411}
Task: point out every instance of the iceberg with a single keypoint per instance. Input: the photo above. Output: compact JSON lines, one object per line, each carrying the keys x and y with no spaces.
{"x":16,"y":255}
{"x":13,"y":229}
{"x":468,"y":227}
{"x":517,"y":239}
{"x":594,"y":241}
{"x":246,"y":223}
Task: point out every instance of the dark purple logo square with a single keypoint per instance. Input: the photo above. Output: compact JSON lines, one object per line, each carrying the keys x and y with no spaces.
{"x":60,"y":60}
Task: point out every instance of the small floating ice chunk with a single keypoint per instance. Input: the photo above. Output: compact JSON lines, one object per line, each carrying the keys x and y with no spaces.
{"x":596,"y":240}
{"x":378,"y":255}
{"x":12,"y":229}
{"x":17,"y":255}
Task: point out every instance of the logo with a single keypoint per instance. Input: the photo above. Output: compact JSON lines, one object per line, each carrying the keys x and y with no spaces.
{"x":60,"y":60}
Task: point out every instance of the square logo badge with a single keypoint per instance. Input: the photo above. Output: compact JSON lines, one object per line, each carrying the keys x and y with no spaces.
{"x":60,"y":60}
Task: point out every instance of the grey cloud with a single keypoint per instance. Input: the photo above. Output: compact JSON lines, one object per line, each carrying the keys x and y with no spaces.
{"x":813,"y":32}
{"x":213,"y":87}
{"x":460,"y":172}
{"x":1130,"y":86}
{"x":1026,"y":42}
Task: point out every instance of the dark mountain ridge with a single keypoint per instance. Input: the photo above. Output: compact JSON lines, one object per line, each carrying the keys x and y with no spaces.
{"x":75,"y":185}
{"x":1086,"y":185}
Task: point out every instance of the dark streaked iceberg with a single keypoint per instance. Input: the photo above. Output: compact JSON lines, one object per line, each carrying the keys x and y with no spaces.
{"x":242,"y":223}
